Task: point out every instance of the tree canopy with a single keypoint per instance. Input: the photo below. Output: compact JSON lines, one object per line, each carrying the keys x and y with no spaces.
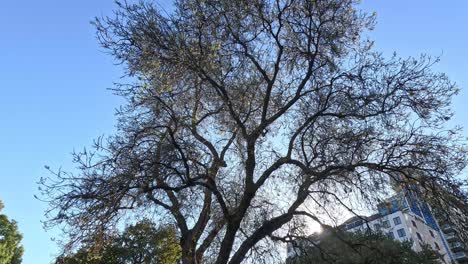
{"x":11,"y":250}
{"x":142,"y":243}
{"x":363,"y":248}
{"x":246,"y":119}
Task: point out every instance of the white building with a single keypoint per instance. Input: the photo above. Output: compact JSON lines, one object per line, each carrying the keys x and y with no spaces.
{"x":403,"y":226}
{"x":407,"y":217}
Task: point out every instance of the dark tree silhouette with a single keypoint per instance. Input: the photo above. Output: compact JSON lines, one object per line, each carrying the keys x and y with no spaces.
{"x":241,"y":112}
{"x":362,"y":248}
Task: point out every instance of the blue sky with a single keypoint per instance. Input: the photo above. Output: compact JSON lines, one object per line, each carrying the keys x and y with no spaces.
{"x":53,"y":80}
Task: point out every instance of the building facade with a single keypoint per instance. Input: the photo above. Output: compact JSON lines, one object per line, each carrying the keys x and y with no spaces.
{"x":447,"y":228}
{"x":451,"y":231}
{"x":402,"y":226}
{"x":408,"y":217}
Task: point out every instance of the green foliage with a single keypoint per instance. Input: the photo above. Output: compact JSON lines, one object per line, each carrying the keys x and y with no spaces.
{"x":142,"y":243}
{"x":11,"y":251}
{"x":364,"y":248}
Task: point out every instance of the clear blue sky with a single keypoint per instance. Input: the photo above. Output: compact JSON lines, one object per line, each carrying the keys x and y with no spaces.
{"x":53,"y":80}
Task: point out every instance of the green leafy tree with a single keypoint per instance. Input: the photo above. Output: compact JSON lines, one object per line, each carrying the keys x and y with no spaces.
{"x":362,"y":248}
{"x":11,"y":250}
{"x":83,"y":255}
{"x":142,"y":243}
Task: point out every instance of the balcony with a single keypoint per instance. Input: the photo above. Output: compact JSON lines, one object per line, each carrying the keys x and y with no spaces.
{"x":451,"y":237}
{"x":456,"y":246}
{"x":447,"y":227}
{"x":460,"y":256}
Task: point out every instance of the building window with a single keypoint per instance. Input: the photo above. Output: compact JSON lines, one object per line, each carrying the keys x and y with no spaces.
{"x":386,"y":224}
{"x":414,"y":223}
{"x":377,"y":227}
{"x":436,"y":246}
{"x":391,"y":235}
{"x":397,"y":220}
{"x":419,"y":236}
{"x":401,"y":232}
{"x":432,"y":234}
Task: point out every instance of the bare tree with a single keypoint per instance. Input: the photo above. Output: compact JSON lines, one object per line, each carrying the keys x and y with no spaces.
{"x":240,"y":112}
